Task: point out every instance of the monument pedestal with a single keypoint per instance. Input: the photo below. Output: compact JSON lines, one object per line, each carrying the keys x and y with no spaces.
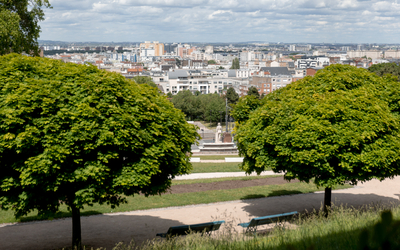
{"x":218,"y":148}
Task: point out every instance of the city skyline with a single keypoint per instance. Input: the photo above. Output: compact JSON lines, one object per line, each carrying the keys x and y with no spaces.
{"x":308,"y":21}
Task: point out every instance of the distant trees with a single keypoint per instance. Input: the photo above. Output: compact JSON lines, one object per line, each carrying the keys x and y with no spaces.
{"x":19,"y":29}
{"x":235,"y":63}
{"x":206,"y":107}
{"x":232,"y":96}
{"x":145,"y":80}
{"x":212,"y":62}
{"x":253,"y":91}
{"x":382,"y":69}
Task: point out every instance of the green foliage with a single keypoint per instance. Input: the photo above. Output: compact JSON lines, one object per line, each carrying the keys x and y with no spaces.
{"x":244,"y":107}
{"x":382,"y":69}
{"x":169,"y":95}
{"x":19,"y":29}
{"x":205,"y":107}
{"x":220,"y":67}
{"x":253,"y":91}
{"x":178,"y":62}
{"x":212,"y":62}
{"x":235,"y":63}
{"x":145,"y":80}
{"x":232,"y":96}
{"x":74,"y":134}
{"x":340,"y":125}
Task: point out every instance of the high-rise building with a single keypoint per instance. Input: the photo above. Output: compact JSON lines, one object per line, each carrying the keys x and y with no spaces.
{"x":157,"y":46}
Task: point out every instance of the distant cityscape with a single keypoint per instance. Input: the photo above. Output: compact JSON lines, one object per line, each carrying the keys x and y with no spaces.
{"x":207,"y":68}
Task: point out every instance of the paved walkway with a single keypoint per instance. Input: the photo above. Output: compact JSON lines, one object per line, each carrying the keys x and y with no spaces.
{"x":107,"y":229}
{"x":221,"y":175}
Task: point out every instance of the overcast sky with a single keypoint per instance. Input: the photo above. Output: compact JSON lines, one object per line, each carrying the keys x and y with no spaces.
{"x":288,"y":21}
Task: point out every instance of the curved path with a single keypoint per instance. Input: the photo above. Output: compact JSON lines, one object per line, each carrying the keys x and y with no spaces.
{"x":107,"y":229}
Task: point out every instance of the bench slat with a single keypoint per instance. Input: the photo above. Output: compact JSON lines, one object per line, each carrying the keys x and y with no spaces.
{"x":184,"y":229}
{"x":266,"y":219}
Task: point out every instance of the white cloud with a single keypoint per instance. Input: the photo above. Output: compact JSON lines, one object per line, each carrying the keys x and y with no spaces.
{"x":224,"y":21}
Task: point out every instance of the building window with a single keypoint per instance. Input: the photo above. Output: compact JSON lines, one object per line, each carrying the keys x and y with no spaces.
{"x":265,"y":85}
{"x":268,"y":85}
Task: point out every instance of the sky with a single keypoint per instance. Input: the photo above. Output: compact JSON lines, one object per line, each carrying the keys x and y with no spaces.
{"x":230,"y":21}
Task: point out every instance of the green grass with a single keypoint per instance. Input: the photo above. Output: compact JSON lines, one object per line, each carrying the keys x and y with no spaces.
{"x":216,"y":167}
{"x":341,"y":230}
{"x":167,"y":200}
{"x":214,"y":157}
{"x":211,"y":180}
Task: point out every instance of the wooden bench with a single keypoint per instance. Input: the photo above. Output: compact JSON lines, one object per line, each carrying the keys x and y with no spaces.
{"x":252,"y":225}
{"x":203,"y":228}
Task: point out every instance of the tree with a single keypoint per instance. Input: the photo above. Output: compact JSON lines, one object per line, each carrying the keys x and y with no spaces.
{"x":382,"y":69}
{"x":211,"y":62}
{"x":220,"y":67}
{"x":235,"y":63}
{"x":232,"y":96}
{"x":145,"y":80}
{"x":339,"y":126}
{"x":178,"y":62}
{"x":253,"y":91}
{"x":187,"y":103}
{"x":211,"y":107}
{"x":169,"y":95}
{"x":19,"y":27}
{"x":72,"y":134}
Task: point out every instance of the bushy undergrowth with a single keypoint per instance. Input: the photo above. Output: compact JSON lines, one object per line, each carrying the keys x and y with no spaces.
{"x":345,"y":228}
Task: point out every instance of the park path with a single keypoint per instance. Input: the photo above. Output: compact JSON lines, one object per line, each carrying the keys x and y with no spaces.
{"x":107,"y":229}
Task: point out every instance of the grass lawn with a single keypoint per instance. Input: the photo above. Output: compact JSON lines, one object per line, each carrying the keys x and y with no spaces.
{"x":167,"y":200}
{"x":210,"y":180}
{"x":341,"y":230}
{"x":216,"y":167}
{"x":214,"y":157}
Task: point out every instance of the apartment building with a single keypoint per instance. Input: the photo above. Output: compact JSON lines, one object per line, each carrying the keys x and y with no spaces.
{"x":156,"y":46}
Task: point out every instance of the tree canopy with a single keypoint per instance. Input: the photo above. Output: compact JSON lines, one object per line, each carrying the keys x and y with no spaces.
{"x":232,"y":96}
{"x":211,"y":62}
{"x":204,"y":106}
{"x":235,"y":63}
{"x":19,"y":28}
{"x":382,"y":69}
{"x":253,"y":91}
{"x":342,"y":125}
{"x":145,"y":80}
{"x":77,"y":135}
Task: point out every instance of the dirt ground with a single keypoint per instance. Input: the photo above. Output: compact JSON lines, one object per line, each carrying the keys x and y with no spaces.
{"x":221,"y":185}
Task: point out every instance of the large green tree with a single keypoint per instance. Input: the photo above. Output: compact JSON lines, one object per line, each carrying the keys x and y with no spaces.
{"x":19,"y":28}
{"x":342,"y":125}
{"x":75,"y":135}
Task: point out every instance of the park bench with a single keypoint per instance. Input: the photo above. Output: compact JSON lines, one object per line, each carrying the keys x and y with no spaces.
{"x":203,"y":228}
{"x":251,"y":227}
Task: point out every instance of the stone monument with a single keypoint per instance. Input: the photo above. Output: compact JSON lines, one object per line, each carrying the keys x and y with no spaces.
{"x":218,"y":134}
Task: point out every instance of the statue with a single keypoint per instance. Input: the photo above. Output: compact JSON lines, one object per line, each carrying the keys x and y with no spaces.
{"x":218,"y":134}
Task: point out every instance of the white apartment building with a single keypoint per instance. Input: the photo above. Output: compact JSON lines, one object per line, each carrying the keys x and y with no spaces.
{"x":373,"y":54}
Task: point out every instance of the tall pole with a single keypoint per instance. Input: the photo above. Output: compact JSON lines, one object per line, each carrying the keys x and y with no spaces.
{"x":226,"y":115}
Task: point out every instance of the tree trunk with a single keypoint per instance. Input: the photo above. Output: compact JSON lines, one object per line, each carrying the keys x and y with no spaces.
{"x":327,"y":200}
{"x":76,"y":227}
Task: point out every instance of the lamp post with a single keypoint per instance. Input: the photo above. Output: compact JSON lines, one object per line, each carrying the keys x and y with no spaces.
{"x":226,"y":114}
{"x":220,"y":117}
